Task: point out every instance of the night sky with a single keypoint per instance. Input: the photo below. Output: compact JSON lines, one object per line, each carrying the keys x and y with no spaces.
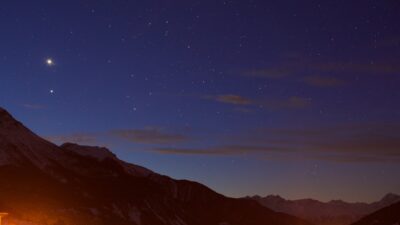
{"x":296,"y":98}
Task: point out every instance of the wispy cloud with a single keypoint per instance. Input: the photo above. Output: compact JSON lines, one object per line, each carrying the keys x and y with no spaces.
{"x":232,"y":99}
{"x":352,"y":158}
{"x":323,"y":81}
{"x":219,"y":150}
{"x":33,"y":106}
{"x":300,"y":70}
{"x":389,"y":42}
{"x":272,"y":73}
{"x":377,"y":140}
{"x":364,"y":68}
{"x":150,"y":135}
{"x":293,"y":102}
{"x":345,"y":143}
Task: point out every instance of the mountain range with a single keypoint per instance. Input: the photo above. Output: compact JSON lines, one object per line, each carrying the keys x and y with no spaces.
{"x":42,"y":183}
{"x":335,"y":212}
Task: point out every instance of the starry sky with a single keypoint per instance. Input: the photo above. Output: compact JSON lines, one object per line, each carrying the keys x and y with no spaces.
{"x":296,"y":98}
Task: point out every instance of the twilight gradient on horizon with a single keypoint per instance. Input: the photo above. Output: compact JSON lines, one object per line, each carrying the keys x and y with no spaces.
{"x":297,"y":98}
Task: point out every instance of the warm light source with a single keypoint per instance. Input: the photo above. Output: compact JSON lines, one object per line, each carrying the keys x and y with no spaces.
{"x":2,"y":214}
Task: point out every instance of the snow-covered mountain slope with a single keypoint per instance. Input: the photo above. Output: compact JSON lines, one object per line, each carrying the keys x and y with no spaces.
{"x":335,"y":212}
{"x":20,"y":146}
{"x":42,"y":183}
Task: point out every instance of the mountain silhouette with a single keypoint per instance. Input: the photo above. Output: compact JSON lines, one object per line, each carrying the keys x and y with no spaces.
{"x":42,"y":183}
{"x":389,"y":215}
{"x":335,"y":212}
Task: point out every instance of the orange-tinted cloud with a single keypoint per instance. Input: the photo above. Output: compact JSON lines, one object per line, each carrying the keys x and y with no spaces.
{"x":233,"y":99}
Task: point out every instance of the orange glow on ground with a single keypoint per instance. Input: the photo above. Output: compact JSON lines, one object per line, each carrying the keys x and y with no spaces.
{"x":3,"y":214}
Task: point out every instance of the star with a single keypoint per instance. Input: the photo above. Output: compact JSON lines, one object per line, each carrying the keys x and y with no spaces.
{"x":49,"y":62}
{"x":51,"y":91}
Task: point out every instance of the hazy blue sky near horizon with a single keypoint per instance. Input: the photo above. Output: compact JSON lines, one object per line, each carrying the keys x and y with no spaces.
{"x":296,"y":98}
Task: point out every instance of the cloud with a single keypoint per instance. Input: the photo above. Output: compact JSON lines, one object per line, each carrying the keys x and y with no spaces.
{"x":188,"y":151}
{"x":232,"y":99}
{"x":219,"y":150}
{"x":351,"y":158}
{"x":347,"y":143}
{"x":331,"y":74}
{"x":365,"y":68}
{"x":79,"y":138}
{"x":33,"y":106}
{"x":306,"y":66}
{"x":372,"y":139}
{"x":389,"y":42}
{"x":323,"y":81}
{"x":293,"y":102}
{"x":272,"y":73}
{"x":150,"y":136}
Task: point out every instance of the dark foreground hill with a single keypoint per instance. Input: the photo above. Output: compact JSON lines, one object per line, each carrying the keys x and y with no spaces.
{"x":45,"y":184}
{"x":387,"y":216}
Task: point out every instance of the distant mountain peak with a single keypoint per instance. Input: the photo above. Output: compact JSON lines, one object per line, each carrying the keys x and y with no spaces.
{"x":275,"y":197}
{"x":99,"y":153}
{"x":391,"y":197}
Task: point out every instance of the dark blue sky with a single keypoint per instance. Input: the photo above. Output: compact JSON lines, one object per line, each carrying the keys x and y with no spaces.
{"x":297,"y":98}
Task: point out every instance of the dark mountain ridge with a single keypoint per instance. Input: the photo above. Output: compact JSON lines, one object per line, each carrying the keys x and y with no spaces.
{"x":42,"y":183}
{"x":389,"y":215}
{"x":335,"y":212}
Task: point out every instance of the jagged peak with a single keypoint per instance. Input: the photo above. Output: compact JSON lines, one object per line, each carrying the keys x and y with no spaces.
{"x":102,"y":153}
{"x":99,"y":153}
{"x":14,"y":129}
{"x":275,"y":197}
{"x":7,"y":120}
{"x":3,"y":111}
{"x":21,"y":145}
{"x":4,"y":114}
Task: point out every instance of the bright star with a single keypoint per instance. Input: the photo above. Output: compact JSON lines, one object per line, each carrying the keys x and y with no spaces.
{"x":51,"y":91}
{"x":49,"y":62}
